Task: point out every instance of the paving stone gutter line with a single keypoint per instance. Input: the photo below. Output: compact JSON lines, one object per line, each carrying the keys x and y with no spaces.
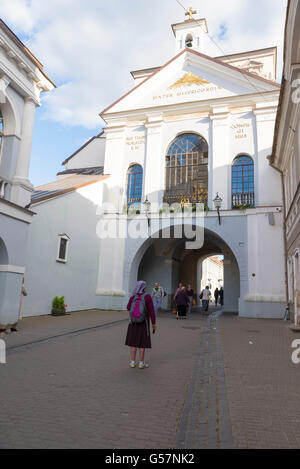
{"x":16,"y":348}
{"x":205,"y":420}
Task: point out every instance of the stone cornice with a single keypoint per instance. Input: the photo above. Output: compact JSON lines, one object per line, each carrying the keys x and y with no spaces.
{"x":22,"y":73}
{"x":231,"y":102}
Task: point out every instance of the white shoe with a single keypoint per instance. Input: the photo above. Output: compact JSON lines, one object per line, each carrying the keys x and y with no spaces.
{"x":142,"y":366}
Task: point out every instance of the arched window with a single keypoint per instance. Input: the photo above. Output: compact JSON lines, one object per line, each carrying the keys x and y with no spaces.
{"x":187,"y":170}
{"x":134,"y":185}
{"x":243,"y":182}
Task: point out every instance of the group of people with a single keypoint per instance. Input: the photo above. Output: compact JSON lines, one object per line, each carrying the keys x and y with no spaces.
{"x":219,"y":296}
{"x":183,"y":298}
{"x":205,"y":296}
{"x":144,"y":307}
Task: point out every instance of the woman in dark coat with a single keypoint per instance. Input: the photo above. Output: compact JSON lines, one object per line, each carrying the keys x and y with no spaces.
{"x":216,"y":295}
{"x":182,"y":301}
{"x":138,"y":334}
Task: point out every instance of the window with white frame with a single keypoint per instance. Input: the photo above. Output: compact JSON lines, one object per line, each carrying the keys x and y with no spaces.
{"x":62,"y":250}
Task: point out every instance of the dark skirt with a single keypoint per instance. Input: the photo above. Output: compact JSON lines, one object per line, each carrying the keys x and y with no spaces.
{"x":181,"y":310}
{"x":138,"y":335}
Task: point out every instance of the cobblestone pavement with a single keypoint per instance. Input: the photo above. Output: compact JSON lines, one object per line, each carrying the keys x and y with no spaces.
{"x":263,"y":384}
{"x":67,"y":384}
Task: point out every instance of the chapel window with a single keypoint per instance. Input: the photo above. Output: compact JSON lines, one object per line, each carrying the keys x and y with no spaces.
{"x":134,"y":186}
{"x":186,"y":170}
{"x":243,"y":182}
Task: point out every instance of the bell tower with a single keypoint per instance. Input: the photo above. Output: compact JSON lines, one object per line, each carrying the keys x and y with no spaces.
{"x":190,"y":33}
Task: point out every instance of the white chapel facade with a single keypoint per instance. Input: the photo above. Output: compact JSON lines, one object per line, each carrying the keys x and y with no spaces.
{"x":195,"y":130}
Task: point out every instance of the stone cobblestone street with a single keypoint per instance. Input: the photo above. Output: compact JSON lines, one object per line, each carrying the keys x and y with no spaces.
{"x":67,"y":384}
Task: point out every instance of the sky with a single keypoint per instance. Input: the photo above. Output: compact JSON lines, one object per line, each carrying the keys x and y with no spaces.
{"x":88,"y":48}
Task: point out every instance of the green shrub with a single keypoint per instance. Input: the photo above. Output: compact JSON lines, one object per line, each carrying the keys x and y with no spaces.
{"x":59,"y":303}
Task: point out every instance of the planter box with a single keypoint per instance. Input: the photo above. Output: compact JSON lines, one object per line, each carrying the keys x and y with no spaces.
{"x":58,"y":312}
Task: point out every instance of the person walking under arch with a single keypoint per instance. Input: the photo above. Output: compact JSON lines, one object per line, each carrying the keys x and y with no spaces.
{"x":157,"y":297}
{"x":141,"y":310}
{"x":205,"y":297}
{"x":190,"y":294}
{"x":216,"y":294}
{"x":221,"y":296}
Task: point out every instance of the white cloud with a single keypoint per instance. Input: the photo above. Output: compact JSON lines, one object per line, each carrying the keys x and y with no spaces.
{"x":89,"y":48}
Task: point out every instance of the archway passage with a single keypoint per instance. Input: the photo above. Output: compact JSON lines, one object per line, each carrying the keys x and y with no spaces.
{"x":168,"y":262}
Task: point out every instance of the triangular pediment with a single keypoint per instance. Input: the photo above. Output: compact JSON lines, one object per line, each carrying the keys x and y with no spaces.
{"x":188,"y":77}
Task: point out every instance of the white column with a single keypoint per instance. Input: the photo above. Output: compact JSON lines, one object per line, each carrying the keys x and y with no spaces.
{"x":154,"y":163}
{"x":22,"y":188}
{"x":267,"y":183}
{"x":219,"y":178}
{"x":23,"y":162}
{"x":115,"y":186}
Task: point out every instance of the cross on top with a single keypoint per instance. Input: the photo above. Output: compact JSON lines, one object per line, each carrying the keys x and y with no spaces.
{"x":190,"y":13}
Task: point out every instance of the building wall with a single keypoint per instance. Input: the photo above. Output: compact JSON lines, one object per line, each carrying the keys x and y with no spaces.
{"x":13,"y":241}
{"x":21,"y":82}
{"x":227,"y":137}
{"x":74,"y":214}
{"x":212,"y":274}
{"x":286,"y":154}
{"x":90,"y":156}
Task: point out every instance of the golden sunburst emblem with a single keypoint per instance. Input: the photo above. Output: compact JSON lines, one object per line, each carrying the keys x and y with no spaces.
{"x":187,"y":80}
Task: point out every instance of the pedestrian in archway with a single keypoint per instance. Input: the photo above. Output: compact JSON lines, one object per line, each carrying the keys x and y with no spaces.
{"x":157,"y":297}
{"x":221,"y":296}
{"x":182,"y":301}
{"x":190,"y":294}
{"x":180,"y":285}
{"x":141,"y":310}
{"x":216,"y":294}
{"x":205,"y":297}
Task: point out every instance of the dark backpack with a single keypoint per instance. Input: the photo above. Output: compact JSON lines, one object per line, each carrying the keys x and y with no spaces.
{"x":138,"y":310}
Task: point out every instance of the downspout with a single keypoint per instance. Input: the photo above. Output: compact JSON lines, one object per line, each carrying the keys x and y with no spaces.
{"x":285,"y":249}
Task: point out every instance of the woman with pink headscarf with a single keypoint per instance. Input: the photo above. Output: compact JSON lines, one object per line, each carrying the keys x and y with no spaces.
{"x":138,"y":334}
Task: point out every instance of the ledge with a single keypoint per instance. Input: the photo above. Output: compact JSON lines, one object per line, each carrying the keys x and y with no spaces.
{"x":265,"y":298}
{"x":119,"y":293}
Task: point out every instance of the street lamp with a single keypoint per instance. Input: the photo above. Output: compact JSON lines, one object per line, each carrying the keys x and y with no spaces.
{"x":147,"y":208}
{"x":218,"y":204}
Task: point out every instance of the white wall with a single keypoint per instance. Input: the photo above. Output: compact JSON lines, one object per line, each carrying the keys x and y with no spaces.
{"x":73,"y":214}
{"x":90,"y":156}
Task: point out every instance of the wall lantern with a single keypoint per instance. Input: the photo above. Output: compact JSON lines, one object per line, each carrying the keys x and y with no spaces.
{"x":218,"y":204}
{"x":147,"y":208}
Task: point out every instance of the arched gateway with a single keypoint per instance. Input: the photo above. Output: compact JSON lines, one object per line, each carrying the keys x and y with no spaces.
{"x":166,"y":260}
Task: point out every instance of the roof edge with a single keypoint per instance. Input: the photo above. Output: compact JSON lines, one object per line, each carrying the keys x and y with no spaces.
{"x":67,"y":191}
{"x":82,"y":147}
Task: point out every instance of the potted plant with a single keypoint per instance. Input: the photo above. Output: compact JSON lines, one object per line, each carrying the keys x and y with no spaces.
{"x":58,"y":306}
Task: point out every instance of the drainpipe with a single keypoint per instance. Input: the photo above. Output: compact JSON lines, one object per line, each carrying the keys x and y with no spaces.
{"x":287,"y":310}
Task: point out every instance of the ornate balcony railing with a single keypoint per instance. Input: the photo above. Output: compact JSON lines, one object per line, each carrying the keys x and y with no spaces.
{"x":186,"y":194}
{"x":243,"y":199}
